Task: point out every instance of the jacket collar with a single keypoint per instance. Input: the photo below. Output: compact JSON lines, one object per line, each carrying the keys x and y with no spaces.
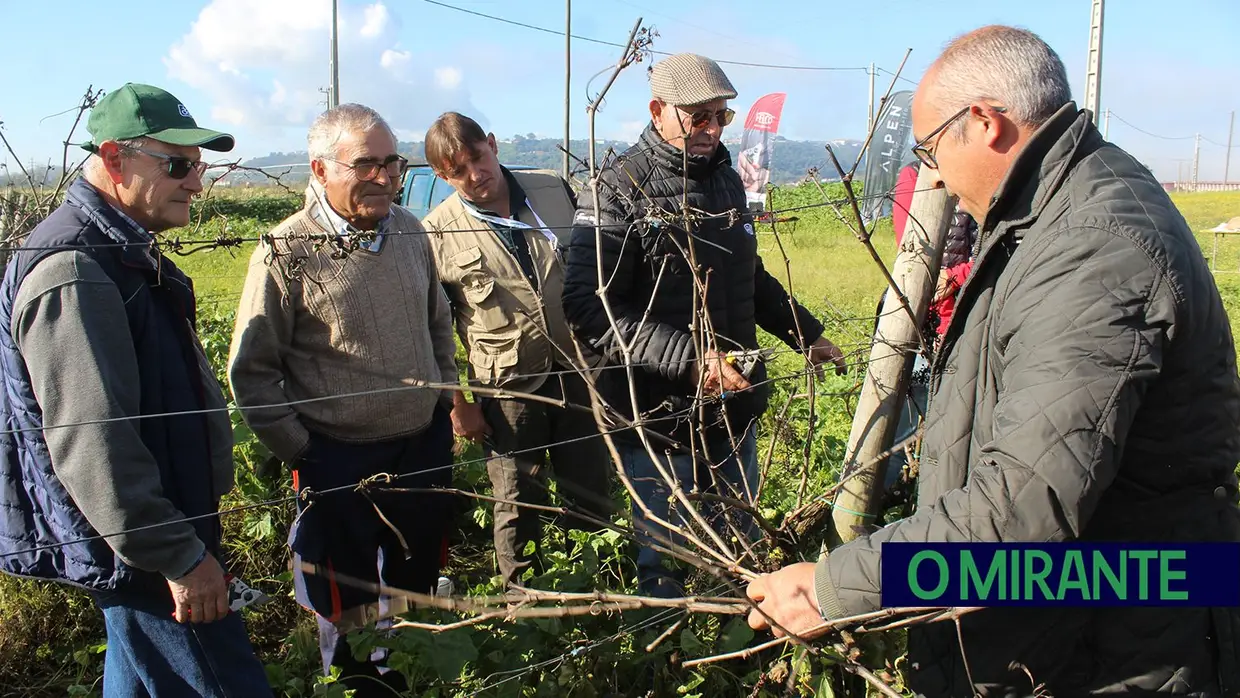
{"x":1037,"y":173}
{"x":675,"y":160}
{"x":133,"y":242}
{"x":1041,"y":168}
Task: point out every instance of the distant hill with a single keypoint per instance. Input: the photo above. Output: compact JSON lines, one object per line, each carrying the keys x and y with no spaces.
{"x":791,"y":159}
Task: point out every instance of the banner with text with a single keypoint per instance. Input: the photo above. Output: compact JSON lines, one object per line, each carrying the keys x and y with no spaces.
{"x":888,"y":151}
{"x":754,"y":160}
{"x":1060,"y":574}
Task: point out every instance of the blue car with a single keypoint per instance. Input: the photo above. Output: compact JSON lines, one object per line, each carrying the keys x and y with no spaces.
{"x":423,"y":190}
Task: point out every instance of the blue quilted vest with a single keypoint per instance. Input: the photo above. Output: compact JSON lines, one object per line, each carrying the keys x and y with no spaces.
{"x":35,"y":508}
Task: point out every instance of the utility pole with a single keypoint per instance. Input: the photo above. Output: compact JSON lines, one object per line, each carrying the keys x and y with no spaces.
{"x":333,"y":97}
{"x":1196,"y":158}
{"x":568,"y":70}
{"x":1106,"y":126}
{"x":1093,"y":76}
{"x":869,"y":123}
{"x":1227,"y":158}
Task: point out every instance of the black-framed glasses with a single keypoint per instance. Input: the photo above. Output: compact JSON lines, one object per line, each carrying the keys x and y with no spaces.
{"x":178,"y":167}
{"x":701,"y":119}
{"x":367,"y":170}
{"x":926,"y":154}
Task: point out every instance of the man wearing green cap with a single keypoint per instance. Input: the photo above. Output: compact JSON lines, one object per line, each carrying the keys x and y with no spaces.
{"x":116,"y":425}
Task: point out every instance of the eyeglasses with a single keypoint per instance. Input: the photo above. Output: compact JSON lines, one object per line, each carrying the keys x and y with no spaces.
{"x":367,"y":170}
{"x":926,"y":155}
{"x":702,"y":119}
{"x":178,"y":167}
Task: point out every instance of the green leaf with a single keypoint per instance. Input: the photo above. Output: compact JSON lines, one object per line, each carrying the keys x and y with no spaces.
{"x":825,"y":688}
{"x":453,"y":650}
{"x":481,"y":516}
{"x":694,"y":681}
{"x":735,"y":636}
{"x":690,"y":643}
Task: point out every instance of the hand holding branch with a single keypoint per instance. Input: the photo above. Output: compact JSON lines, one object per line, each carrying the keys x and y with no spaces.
{"x":822,"y":351}
{"x":788,"y":597}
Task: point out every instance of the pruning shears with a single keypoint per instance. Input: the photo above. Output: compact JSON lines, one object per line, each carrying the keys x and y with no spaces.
{"x":745,"y":361}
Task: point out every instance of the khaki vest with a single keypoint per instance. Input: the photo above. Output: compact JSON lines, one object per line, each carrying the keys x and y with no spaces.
{"x":509,"y":329}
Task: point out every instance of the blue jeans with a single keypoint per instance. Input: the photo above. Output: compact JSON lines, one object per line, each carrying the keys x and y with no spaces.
{"x":735,"y":475}
{"x":151,"y":655}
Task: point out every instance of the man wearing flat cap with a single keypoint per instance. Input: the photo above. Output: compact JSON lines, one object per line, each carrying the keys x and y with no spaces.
{"x":118,"y":443}
{"x":687,"y":292}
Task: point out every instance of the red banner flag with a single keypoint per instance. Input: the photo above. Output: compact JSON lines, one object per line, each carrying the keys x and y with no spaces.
{"x":754,"y":160}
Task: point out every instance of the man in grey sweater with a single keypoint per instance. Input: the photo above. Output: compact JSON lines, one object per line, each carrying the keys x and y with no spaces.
{"x":118,"y":424}
{"x":341,"y":309}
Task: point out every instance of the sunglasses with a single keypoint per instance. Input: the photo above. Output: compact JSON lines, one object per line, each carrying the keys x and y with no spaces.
{"x":368,"y":170}
{"x":925,"y":154}
{"x":178,"y":167}
{"x":702,"y":119}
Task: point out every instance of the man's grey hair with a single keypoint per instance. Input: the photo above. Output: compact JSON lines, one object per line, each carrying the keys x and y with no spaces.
{"x":1009,"y":65}
{"x":333,"y":124}
{"x":94,"y":164}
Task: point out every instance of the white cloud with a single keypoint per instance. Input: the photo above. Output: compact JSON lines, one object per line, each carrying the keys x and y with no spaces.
{"x":264,"y":66}
{"x":375,"y":19}
{"x":395,"y":61}
{"x":448,"y":78}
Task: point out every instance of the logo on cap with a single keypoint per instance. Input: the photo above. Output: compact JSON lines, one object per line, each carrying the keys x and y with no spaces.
{"x":183,"y":111}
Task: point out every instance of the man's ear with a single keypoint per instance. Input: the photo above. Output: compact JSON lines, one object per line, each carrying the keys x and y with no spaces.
{"x":319,"y":169}
{"x":113,"y":160}
{"x":491,"y":143}
{"x":996,"y":128}
{"x":656,"y":109}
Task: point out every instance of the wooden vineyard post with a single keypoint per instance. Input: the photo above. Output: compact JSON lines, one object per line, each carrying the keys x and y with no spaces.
{"x":891,"y":358}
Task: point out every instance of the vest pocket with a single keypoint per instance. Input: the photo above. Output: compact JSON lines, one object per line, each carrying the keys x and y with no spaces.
{"x":487,"y":313}
{"x":478,"y":287}
{"x":494,"y":356}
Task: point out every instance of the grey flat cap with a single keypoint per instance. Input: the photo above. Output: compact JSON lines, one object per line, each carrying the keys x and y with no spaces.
{"x":687,"y":78}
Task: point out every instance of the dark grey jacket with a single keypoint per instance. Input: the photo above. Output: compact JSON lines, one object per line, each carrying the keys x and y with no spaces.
{"x":1086,"y":390}
{"x":652,"y":287}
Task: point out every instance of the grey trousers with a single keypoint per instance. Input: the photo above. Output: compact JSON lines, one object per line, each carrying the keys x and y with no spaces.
{"x":534,"y":442}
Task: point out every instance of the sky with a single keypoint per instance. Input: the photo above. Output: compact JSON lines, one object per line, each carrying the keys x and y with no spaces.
{"x":258,"y":68}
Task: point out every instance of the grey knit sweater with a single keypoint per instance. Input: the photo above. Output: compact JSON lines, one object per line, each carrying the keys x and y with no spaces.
{"x":314,"y":323}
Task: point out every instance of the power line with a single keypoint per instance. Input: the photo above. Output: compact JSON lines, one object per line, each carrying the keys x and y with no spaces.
{"x":1152,"y":135}
{"x":592,"y":40}
{"x":1221,"y":145}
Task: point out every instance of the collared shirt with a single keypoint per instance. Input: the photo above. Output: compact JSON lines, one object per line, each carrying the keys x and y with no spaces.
{"x":514,"y":239}
{"x":343,"y":228}
{"x":137,"y":228}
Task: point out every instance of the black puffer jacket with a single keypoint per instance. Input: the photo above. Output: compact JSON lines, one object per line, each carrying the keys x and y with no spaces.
{"x":644,"y":246}
{"x":961,"y":238}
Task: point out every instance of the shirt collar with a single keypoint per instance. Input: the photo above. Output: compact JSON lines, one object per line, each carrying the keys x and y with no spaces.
{"x":516,"y":197}
{"x":137,"y":228}
{"x":322,"y":211}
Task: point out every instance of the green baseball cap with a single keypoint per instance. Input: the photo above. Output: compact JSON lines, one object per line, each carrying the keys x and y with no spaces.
{"x":137,"y":110}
